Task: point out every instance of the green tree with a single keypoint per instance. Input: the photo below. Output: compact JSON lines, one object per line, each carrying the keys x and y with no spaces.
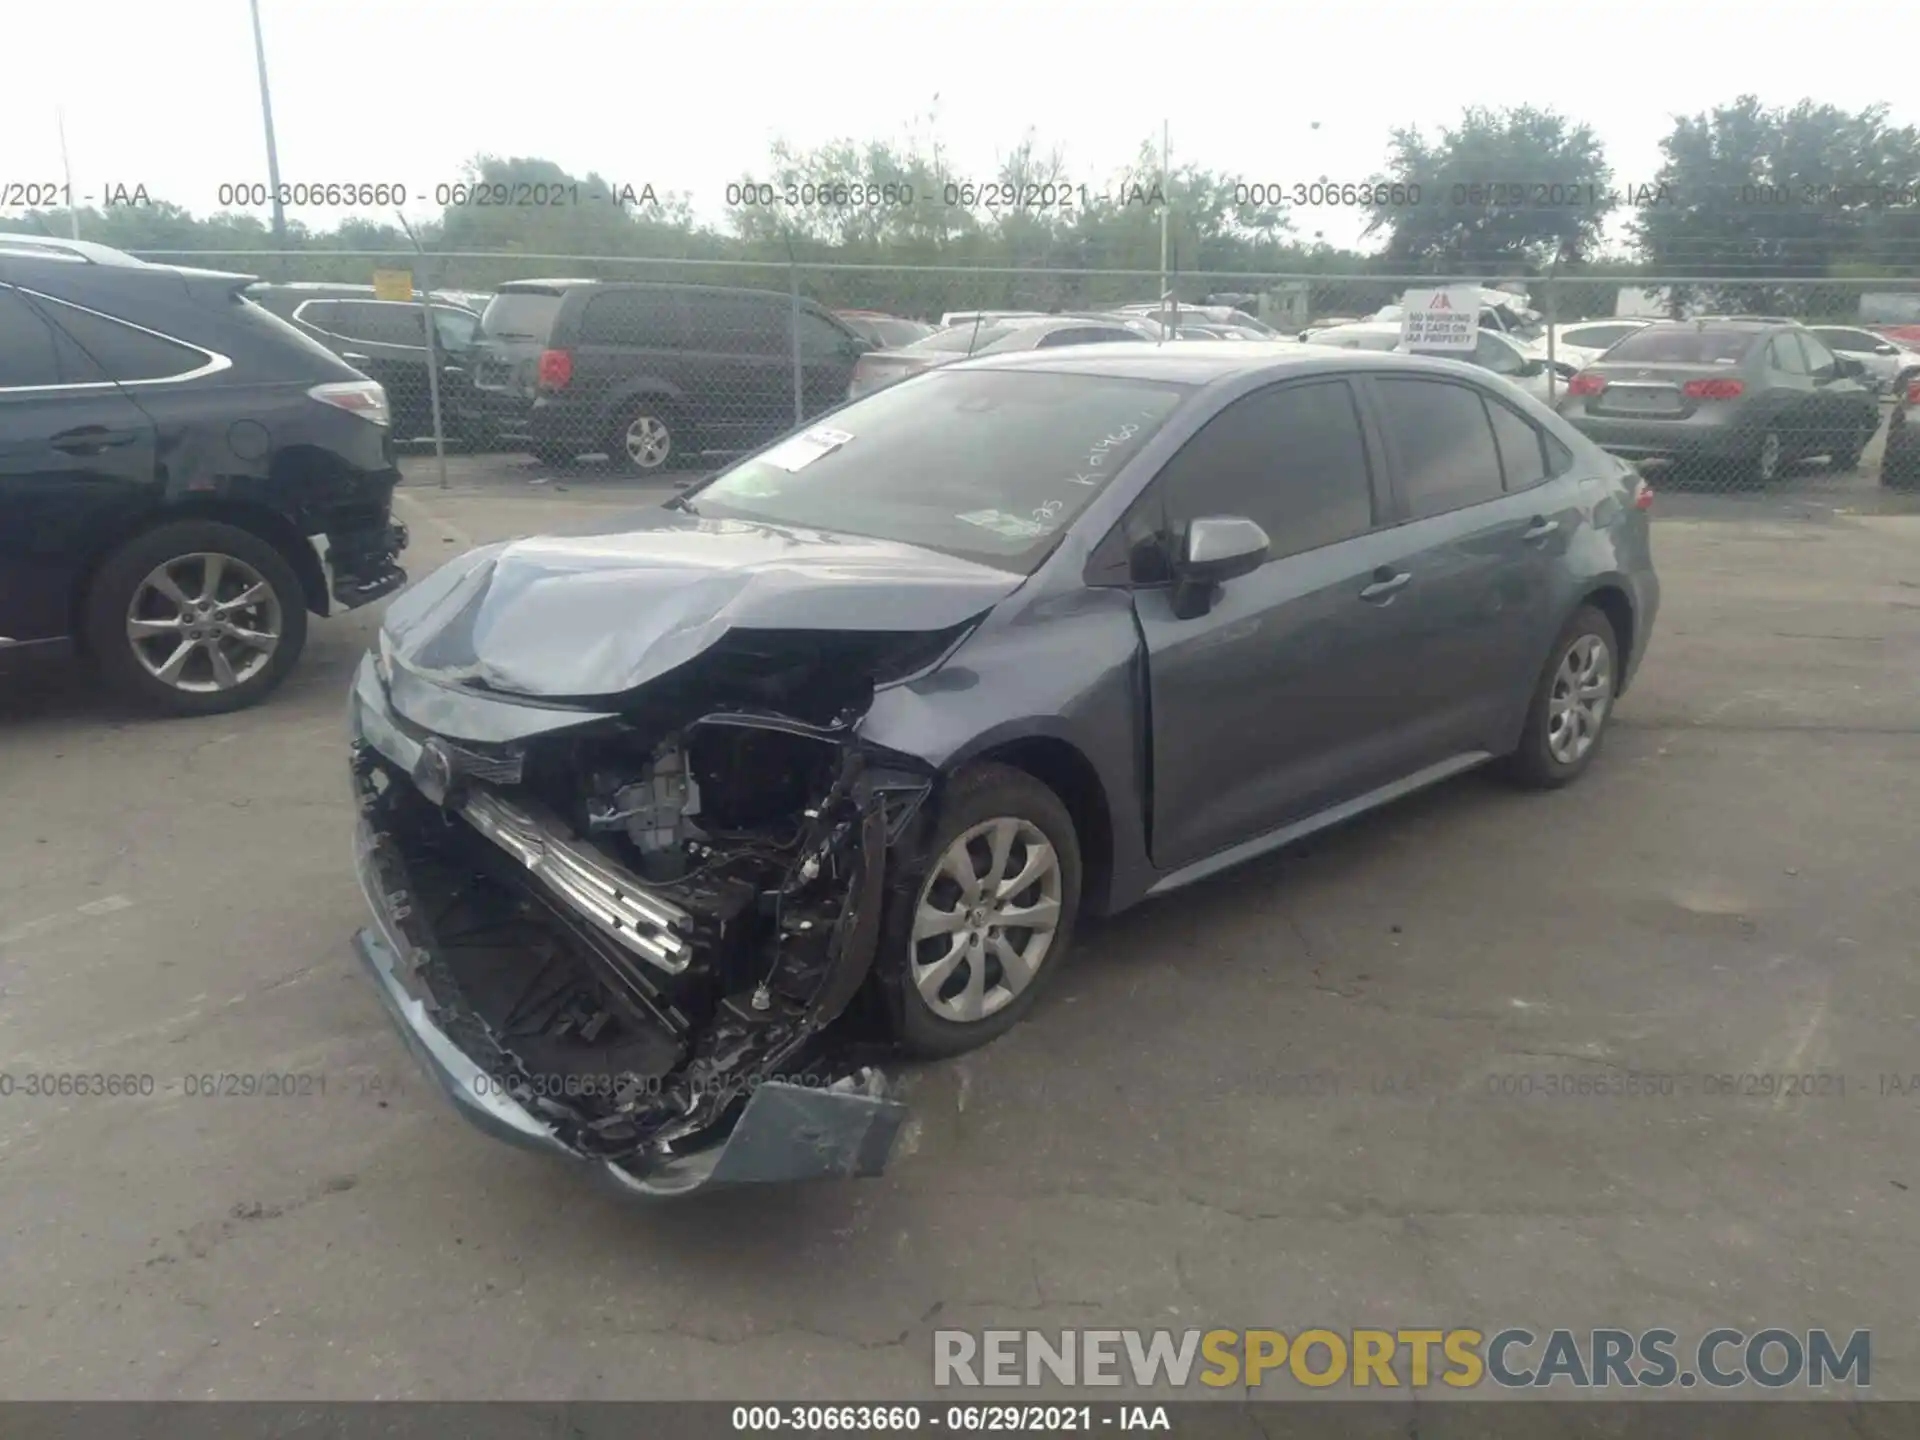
{"x":1501,"y":191}
{"x":1755,"y":195}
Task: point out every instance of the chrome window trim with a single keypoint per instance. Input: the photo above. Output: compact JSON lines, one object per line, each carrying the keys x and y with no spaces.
{"x":214,"y":364}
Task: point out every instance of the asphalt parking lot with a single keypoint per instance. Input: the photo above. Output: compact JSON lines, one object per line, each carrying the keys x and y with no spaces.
{"x":1290,"y":1096}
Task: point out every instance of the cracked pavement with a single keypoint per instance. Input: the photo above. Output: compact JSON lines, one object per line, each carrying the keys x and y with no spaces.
{"x":1283,"y":1098}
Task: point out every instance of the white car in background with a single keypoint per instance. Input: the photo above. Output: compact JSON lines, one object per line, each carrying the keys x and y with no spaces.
{"x":1524,"y":365}
{"x":1890,"y":366}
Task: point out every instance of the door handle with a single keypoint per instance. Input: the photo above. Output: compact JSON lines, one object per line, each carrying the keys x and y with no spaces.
{"x":1385,"y":586}
{"x":1540,"y":529}
{"x":91,"y":440}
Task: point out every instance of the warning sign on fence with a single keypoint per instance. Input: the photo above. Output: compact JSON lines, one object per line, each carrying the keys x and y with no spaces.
{"x":1446,"y":319}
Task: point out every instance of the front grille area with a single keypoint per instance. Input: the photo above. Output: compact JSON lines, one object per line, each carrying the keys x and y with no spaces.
{"x":614,"y":902}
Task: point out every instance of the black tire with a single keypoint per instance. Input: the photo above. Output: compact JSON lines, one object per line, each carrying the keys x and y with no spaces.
{"x":105,"y":616}
{"x":1534,"y":765}
{"x":666,"y":421}
{"x":977,"y":795}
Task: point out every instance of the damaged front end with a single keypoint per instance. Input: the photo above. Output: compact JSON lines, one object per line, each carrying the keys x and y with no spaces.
{"x":624,"y":930}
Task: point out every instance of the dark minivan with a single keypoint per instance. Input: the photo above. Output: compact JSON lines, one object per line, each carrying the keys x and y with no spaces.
{"x":386,"y":340}
{"x":651,"y":375}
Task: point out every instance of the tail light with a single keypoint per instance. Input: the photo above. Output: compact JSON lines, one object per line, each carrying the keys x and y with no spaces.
{"x":556,"y":369}
{"x":1713,"y":389}
{"x":365,"y":398}
{"x":1913,"y":393}
{"x":1642,"y":495}
{"x":1586,"y":383}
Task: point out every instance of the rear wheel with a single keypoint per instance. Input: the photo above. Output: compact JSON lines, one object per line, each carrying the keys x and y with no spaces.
{"x":1571,"y":705}
{"x":195,"y":618}
{"x":647,"y":436}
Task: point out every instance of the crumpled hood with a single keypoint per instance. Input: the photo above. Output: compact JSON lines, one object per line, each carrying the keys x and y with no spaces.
{"x":593,"y":615}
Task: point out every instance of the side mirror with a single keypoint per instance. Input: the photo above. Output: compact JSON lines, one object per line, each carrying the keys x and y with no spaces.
{"x":1531,"y":368}
{"x":1215,"y":549}
{"x":1848,"y":369}
{"x":1886,"y":350}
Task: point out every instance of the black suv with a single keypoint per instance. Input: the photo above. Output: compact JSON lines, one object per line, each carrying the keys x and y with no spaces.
{"x":649,"y":374}
{"x":183,"y":476}
{"x":386,"y":340}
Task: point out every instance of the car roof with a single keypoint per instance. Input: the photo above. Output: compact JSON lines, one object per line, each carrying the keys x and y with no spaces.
{"x":18,"y":246}
{"x":1205,"y":364}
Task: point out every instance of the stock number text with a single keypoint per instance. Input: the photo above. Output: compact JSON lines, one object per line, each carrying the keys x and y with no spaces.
{"x":1323,"y":193}
{"x":317,"y":192}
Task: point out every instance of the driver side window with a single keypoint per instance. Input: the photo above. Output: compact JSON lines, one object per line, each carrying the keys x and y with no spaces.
{"x":1292,"y":458}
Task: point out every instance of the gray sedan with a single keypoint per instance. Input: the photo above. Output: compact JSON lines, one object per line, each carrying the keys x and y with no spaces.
{"x":1747,"y":395}
{"x":883,"y":710}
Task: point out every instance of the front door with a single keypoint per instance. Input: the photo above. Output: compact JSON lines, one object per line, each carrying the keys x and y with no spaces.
{"x":1282,"y":699}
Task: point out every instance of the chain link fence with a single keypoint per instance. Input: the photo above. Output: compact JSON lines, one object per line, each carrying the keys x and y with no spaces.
{"x":1718,"y":385}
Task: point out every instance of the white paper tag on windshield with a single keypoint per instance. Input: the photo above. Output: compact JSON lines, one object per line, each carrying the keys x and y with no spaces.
{"x":803,"y":449}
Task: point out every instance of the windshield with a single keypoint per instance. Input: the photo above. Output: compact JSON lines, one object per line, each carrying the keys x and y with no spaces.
{"x":963,"y":339}
{"x":1659,"y":345}
{"x":988,"y":465}
{"x":520,"y":315}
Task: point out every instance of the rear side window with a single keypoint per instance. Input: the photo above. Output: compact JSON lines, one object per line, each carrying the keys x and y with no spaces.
{"x":648,"y":319}
{"x":33,"y":353}
{"x":740,"y":325}
{"x":1291,"y":458}
{"x":126,"y":354}
{"x":1849,"y":342}
{"x":1523,"y":454}
{"x":1685,"y":345}
{"x":1445,"y":443}
{"x":376,"y":323}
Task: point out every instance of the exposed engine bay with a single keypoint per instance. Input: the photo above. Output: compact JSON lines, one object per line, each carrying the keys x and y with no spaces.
{"x":632,"y":924}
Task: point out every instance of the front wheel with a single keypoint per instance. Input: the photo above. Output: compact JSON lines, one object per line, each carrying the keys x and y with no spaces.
{"x":195,"y":618}
{"x":1570,"y":705}
{"x":988,"y":919}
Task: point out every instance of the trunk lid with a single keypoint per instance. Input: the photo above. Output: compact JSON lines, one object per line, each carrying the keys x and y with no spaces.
{"x":514,"y":330}
{"x":1660,"y":391}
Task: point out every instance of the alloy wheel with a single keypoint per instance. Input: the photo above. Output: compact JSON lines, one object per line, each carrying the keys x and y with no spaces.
{"x":1577,"y":704}
{"x":204,"y":623}
{"x":648,"y":442}
{"x":1768,"y":465}
{"x":985,"y":919}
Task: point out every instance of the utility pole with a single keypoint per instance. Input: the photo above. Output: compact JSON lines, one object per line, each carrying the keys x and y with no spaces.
{"x":73,"y":201}
{"x":1166,"y":206}
{"x":266,"y":114}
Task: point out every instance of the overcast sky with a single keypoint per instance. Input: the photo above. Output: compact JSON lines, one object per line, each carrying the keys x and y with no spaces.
{"x":686,"y":95}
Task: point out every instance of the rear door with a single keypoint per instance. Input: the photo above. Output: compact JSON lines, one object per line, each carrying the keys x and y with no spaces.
{"x":76,"y":453}
{"x":1284,"y":697}
{"x":1481,"y":553}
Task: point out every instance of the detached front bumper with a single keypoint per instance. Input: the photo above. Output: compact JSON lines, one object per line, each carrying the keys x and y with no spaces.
{"x":784,"y":1133}
{"x":359,"y":567}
